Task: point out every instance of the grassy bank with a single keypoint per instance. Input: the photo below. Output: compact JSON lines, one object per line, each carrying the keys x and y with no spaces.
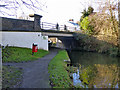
{"x":17,"y":54}
{"x":59,"y":76}
{"x":11,"y":76}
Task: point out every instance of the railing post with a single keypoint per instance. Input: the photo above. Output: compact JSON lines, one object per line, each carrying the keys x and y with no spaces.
{"x":37,"y":21}
{"x":65,"y":27}
{"x":42,"y":25}
{"x":57,"y":26}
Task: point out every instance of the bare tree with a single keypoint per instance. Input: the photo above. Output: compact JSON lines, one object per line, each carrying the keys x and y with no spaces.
{"x":119,"y":26}
{"x":10,"y":7}
{"x":110,"y":7}
{"x":105,"y":21}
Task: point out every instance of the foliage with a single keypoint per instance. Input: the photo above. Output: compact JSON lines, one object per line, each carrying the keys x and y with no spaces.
{"x":90,"y":43}
{"x":102,"y":24}
{"x":11,"y":76}
{"x":105,"y":23}
{"x":104,"y":27}
{"x":86,"y":13}
{"x":113,"y":51}
{"x":84,"y":21}
{"x":17,"y":54}
{"x":59,"y":77}
{"x":90,"y":10}
{"x":85,"y":25}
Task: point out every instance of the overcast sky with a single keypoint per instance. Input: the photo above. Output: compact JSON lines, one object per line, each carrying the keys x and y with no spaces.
{"x":63,"y":10}
{"x":60,"y":11}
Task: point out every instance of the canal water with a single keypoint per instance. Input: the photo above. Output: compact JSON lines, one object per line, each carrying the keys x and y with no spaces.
{"x":95,"y":70}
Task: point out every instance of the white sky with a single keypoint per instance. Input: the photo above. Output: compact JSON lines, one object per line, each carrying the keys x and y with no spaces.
{"x":63,"y":10}
{"x":60,"y":11}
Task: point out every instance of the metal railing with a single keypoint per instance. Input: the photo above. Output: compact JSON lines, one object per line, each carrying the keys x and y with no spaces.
{"x":51,"y":26}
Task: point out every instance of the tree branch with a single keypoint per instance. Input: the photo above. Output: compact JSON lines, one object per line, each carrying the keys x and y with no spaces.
{"x":14,"y":5}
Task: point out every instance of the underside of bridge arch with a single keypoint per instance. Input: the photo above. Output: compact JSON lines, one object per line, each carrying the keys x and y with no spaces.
{"x":68,"y":42}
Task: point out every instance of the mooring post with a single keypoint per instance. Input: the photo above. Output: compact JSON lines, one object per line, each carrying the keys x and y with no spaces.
{"x":37,"y":21}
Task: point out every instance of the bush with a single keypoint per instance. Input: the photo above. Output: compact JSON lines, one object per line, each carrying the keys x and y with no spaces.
{"x":113,"y":51}
{"x":90,"y":43}
{"x":85,"y":25}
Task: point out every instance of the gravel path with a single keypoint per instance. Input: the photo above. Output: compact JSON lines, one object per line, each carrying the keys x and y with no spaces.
{"x":35,"y":74}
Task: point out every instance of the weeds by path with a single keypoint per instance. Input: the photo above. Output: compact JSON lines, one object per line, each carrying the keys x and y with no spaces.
{"x":11,"y":77}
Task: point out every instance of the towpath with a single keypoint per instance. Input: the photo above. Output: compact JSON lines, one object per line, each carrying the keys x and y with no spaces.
{"x":35,"y":73}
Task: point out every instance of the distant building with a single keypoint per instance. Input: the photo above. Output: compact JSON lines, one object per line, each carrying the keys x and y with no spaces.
{"x":71,"y":26}
{"x":25,"y":17}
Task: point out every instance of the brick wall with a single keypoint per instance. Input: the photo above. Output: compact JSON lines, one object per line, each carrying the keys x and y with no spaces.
{"x":16,"y":24}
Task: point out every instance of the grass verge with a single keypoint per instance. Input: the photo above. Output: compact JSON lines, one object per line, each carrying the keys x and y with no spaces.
{"x":11,"y":76}
{"x":59,"y":76}
{"x":17,"y":54}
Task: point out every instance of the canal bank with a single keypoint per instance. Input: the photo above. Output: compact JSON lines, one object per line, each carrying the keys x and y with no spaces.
{"x":58,"y":70}
{"x":84,"y":70}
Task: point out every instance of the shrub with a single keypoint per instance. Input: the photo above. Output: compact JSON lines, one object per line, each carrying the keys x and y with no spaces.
{"x":85,"y":25}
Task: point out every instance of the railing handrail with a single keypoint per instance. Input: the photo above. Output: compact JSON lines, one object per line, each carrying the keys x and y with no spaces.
{"x":48,"y":23}
{"x":48,"y":26}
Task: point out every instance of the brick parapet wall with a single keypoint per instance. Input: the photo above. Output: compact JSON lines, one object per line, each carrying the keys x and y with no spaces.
{"x":16,"y":24}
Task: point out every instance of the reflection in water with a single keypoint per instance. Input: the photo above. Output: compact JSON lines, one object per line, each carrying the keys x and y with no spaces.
{"x":76,"y":81}
{"x":97,"y":70}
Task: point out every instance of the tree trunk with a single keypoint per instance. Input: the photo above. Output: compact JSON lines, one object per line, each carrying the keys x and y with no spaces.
{"x":119,"y":28}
